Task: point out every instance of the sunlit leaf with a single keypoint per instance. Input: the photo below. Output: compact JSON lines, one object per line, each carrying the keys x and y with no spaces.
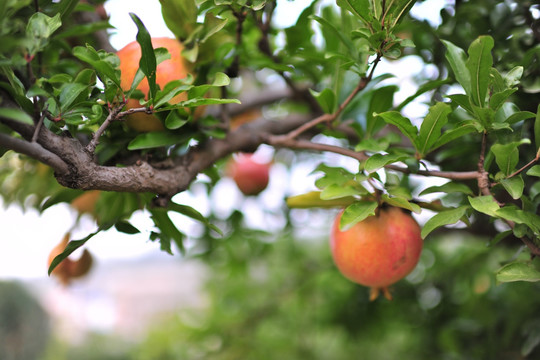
{"x":443,"y":218}
{"x":518,"y":271}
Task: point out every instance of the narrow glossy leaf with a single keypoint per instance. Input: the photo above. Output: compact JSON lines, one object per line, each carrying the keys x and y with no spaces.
{"x":462,"y":100}
{"x":326,"y":99}
{"x":156,"y":139}
{"x":456,"y":58}
{"x":403,"y":124}
{"x":360,"y":8}
{"x":329,"y":26}
{"x":357,"y":212}
{"x":431,"y":127}
{"x":498,"y":99}
{"x":485,"y":116}
{"x":70,"y":248}
{"x":519,"y":216}
{"x":168,"y":231}
{"x":17,"y":115}
{"x":513,"y":76}
{"x":537,"y":128}
{"x":422,"y":90}
{"x":313,"y":199}
{"x":449,"y":187}
{"x":443,"y":218}
{"x":397,"y":9}
{"x":514,"y":186}
{"x":381,"y":100}
{"x":175,"y":120}
{"x":479,"y":65}
{"x":518,"y":271}
{"x":402,"y":203}
{"x":378,"y":161}
{"x":534,"y":171}
{"x":126,"y":227}
{"x":519,"y":116}
{"x":193,"y":214}
{"x":332,"y":175}
{"x":186,"y":10}
{"x":450,"y":135}
{"x":485,"y":204}
{"x":65,"y":7}
{"x":336,"y":191}
{"x":506,"y":156}
{"x":69,"y":93}
{"x":89,"y":55}
{"x":147,"y":63}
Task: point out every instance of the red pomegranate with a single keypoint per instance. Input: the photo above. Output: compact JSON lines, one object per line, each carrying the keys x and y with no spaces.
{"x":378,"y":251}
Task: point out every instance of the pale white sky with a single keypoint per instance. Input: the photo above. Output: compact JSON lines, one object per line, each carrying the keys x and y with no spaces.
{"x":26,"y":238}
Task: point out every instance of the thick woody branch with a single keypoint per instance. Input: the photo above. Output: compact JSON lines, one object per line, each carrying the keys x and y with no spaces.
{"x":34,"y":150}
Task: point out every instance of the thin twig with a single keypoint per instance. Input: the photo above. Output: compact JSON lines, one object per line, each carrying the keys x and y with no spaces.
{"x":40,"y":123}
{"x":530,"y":163}
{"x":283,"y":141}
{"x":113,"y":115}
{"x":483,"y":180}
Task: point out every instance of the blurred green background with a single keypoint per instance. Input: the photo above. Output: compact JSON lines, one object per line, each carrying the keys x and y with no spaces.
{"x":280,"y":297}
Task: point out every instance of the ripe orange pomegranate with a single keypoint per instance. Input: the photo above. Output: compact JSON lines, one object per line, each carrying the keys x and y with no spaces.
{"x":174,"y":68}
{"x":378,"y":251}
{"x":250,"y":176}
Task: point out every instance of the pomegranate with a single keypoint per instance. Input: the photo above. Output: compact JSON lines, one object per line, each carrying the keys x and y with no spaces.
{"x":378,"y":251}
{"x":250,"y":176}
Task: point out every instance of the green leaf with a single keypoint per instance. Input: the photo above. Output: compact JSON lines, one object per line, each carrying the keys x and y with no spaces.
{"x":431,"y":127}
{"x":485,"y":204}
{"x":479,"y":65}
{"x":345,"y":40}
{"x":519,"y":216}
{"x":518,"y":116}
{"x":378,"y":161}
{"x":70,"y":248}
{"x":431,"y":85}
{"x":157,"y":139}
{"x":39,"y":29}
{"x":462,"y":129}
{"x":456,"y":58}
{"x":126,"y":227}
{"x":518,"y":271}
{"x":335,"y":191}
{"x":332,"y":175}
{"x":449,"y":187}
{"x":512,"y":77}
{"x":534,"y":171}
{"x":401,"y":203}
{"x":17,"y":115}
{"x":357,"y":212}
{"x":70,"y":92}
{"x":89,"y":55}
{"x":360,"y":8}
{"x":506,"y":156}
{"x":147,"y":63}
{"x":537,"y":128}
{"x":326,"y":99}
{"x":514,"y":186}
{"x":313,"y":199}
{"x":403,"y":124}
{"x":168,"y":231}
{"x":382,"y":99}
{"x":175,"y":10}
{"x":445,"y":217}
{"x":498,"y":99}
{"x":193,"y":214}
